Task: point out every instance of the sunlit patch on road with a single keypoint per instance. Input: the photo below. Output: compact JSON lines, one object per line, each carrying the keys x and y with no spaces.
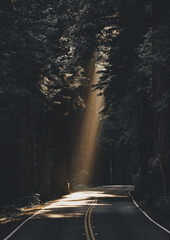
{"x":74,"y":205}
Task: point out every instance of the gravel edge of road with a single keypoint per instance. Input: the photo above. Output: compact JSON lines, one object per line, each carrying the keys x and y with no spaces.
{"x":9,"y":226}
{"x":149,"y":216}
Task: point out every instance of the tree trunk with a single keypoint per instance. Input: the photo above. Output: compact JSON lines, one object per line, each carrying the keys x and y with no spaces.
{"x":159,"y":89}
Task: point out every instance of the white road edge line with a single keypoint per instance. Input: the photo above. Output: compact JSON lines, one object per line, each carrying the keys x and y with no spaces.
{"x":166,"y":230}
{"x":16,"y":229}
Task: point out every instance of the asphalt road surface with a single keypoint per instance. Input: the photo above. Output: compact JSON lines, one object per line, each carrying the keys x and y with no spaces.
{"x":103,"y":213}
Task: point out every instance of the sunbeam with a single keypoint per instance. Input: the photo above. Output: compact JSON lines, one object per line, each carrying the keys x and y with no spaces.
{"x":90,"y":127}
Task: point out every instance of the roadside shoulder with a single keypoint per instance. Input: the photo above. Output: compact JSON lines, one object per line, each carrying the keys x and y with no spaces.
{"x":157,"y":220}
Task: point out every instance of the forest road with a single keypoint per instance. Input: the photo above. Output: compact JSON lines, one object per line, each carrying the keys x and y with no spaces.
{"x":102,"y":213}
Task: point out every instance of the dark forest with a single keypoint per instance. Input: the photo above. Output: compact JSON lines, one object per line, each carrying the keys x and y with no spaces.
{"x":52,"y":141}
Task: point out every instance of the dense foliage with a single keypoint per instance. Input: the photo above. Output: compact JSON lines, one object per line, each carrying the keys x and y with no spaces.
{"x":44,"y":46}
{"x":135,"y":83}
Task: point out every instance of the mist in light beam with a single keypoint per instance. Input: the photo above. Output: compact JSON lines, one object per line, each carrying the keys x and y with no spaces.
{"x":90,"y":128}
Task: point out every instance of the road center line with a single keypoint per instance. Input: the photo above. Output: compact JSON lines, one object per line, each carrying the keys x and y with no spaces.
{"x":87,"y":222}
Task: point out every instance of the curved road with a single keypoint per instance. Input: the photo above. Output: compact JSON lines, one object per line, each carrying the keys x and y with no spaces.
{"x":103,"y":213}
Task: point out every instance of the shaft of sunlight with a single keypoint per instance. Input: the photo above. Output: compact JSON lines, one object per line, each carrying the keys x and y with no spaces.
{"x":90,"y":127}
